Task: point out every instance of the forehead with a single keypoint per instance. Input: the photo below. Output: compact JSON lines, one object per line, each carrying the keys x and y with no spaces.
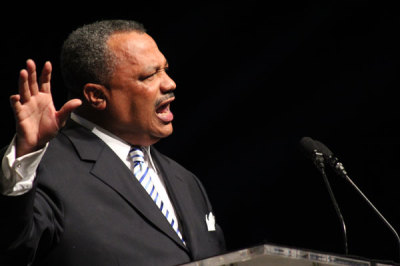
{"x":135,"y":48}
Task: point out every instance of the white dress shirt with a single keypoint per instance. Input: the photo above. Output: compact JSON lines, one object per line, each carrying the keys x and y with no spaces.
{"x":19,"y":173}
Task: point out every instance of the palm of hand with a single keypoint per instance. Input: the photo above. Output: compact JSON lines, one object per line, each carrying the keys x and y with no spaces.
{"x":37,"y":120}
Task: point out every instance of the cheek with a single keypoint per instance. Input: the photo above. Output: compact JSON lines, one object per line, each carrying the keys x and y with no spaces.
{"x":139,"y":112}
{"x":135,"y":107}
{"x":121,"y":111}
{"x":121,"y":107}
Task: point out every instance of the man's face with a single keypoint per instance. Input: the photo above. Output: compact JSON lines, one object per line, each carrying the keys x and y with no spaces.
{"x":140,"y":90}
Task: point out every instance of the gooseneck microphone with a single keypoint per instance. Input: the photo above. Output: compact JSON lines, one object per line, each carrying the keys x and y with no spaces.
{"x":339,"y":169}
{"x":313,"y":152}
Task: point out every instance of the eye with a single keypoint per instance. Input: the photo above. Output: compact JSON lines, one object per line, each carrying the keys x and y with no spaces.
{"x":145,"y":77}
{"x":153,"y":74}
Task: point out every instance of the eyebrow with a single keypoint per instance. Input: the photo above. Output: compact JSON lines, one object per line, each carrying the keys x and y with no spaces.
{"x":156,"y":67}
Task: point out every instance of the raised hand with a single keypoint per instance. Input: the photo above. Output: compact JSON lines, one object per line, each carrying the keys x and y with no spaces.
{"x":37,"y":120}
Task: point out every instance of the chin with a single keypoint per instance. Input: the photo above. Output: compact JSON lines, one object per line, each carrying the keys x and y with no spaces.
{"x":165,"y":131}
{"x":157,"y":135}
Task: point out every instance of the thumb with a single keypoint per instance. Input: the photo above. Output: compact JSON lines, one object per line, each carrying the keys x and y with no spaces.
{"x":65,"y":111}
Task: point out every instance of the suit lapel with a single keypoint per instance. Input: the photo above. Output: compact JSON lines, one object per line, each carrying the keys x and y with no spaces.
{"x":114,"y":173}
{"x":179,"y":194}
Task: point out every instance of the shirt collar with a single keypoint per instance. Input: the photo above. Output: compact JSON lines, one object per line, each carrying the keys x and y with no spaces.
{"x":118,"y":145}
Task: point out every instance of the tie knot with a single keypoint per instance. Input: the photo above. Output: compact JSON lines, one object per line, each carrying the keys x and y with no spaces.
{"x":136,"y":154}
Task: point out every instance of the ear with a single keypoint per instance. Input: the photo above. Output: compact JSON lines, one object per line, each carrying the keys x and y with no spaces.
{"x":96,"y":95}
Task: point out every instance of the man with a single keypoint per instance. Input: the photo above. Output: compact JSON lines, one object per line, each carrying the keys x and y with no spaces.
{"x":73,"y":190}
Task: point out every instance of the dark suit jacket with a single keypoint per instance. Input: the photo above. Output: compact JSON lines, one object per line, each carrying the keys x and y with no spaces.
{"x":86,"y":208}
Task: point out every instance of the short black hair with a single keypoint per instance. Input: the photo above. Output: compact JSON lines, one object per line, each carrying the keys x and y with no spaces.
{"x":85,"y":56}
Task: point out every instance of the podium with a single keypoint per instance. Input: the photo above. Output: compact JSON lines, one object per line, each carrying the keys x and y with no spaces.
{"x":266,"y":255}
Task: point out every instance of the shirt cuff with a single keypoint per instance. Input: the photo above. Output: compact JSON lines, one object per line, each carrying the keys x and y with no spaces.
{"x":19,"y":173}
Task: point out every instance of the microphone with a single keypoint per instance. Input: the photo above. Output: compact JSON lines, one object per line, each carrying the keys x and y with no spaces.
{"x":332,"y":160}
{"x":339,"y":169}
{"x":312,"y":150}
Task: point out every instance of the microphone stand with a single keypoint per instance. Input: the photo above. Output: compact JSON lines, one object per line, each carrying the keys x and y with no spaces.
{"x":338,"y":166}
{"x":319,"y":163}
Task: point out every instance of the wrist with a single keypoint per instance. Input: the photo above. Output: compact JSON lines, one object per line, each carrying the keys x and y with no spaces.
{"x":23,"y":147}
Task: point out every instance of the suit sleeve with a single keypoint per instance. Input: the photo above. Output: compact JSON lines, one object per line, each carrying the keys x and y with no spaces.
{"x":27,"y":222}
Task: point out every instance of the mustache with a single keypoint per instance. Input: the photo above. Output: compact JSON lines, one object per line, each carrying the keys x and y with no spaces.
{"x":164,"y":98}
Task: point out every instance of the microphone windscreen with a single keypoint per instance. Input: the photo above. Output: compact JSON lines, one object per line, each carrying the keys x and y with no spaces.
{"x":322,"y":148}
{"x":308,"y":146}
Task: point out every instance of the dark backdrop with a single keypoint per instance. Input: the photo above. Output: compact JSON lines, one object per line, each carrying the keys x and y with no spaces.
{"x":253,"y":79}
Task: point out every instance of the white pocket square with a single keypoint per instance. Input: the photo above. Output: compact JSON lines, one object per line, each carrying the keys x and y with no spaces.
{"x":210,"y":221}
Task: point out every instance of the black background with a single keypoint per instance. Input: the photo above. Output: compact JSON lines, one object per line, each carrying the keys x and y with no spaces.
{"x":252,"y":79}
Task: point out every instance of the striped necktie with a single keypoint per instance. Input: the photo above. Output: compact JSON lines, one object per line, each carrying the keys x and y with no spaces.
{"x":143,"y":174}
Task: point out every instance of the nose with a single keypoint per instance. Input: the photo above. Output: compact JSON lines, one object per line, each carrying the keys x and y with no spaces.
{"x":167,"y":84}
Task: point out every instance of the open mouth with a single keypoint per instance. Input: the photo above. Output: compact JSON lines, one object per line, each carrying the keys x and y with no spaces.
{"x":163,"y":111}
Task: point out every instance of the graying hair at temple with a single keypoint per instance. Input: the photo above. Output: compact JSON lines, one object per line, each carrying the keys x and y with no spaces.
{"x":85,"y":57}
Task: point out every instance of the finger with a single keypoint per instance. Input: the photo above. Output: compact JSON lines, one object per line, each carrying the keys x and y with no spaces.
{"x":65,"y":111}
{"x":45,"y":78}
{"x":23,"y":86}
{"x":15,"y":103}
{"x":14,"y":100}
{"x":32,"y":77}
